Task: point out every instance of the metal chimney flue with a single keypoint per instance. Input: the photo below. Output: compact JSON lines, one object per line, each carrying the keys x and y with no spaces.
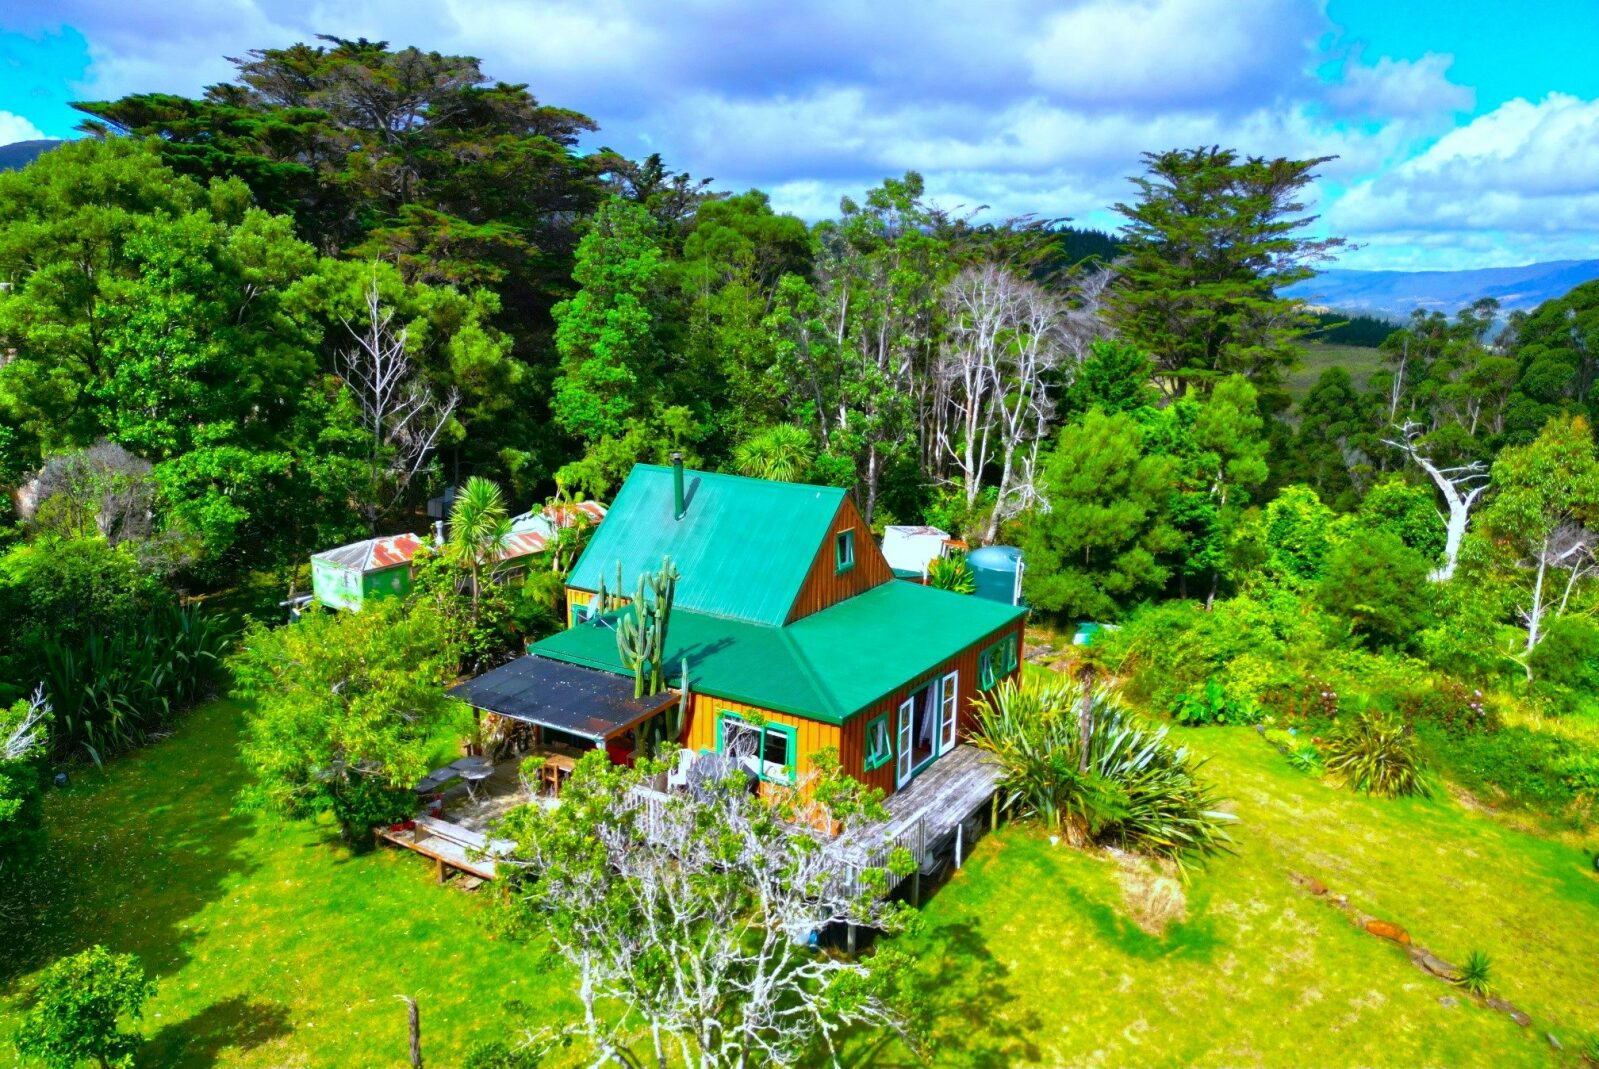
{"x":677,"y":484}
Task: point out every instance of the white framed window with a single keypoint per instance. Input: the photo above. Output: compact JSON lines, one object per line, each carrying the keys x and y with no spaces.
{"x":949,"y":712}
{"x":907,"y":726}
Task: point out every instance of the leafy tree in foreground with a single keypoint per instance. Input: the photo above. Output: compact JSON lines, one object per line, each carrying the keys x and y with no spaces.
{"x":1097,"y":548}
{"x":687,"y":924}
{"x":1380,"y":586}
{"x":344,"y":708}
{"x":81,"y":999}
{"x":1209,"y":242}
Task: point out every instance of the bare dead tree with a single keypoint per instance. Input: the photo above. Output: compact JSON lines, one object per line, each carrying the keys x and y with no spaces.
{"x":1461,"y":486}
{"x":1568,"y":547}
{"x":399,"y":409}
{"x":103,"y":489}
{"x":686,"y":921}
{"x":27,"y":734}
{"x":1008,"y":339}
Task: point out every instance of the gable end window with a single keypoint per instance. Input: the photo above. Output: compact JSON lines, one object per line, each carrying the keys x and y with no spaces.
{"x":844,"y":550}
{"x":996,"y":662}
{"x":879,"y":743}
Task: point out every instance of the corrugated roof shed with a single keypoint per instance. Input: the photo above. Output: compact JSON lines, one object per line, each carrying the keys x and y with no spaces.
{"x":373,"y":554}
{"x":743,"y":546}
{"x":828,"y":666}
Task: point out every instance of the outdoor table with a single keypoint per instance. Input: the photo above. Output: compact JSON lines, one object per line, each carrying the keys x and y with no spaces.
{"x":474,"y":771}
{"x":557,"y":768}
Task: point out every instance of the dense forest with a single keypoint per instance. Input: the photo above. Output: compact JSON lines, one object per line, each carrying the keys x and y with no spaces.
{"x":244,"y":327}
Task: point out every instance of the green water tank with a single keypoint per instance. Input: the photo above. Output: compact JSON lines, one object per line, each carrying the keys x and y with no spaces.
{"x":998,"y":571}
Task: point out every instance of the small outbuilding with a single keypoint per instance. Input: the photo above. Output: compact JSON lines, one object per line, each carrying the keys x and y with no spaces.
{"x":347,"y":577}
{"x":910,"y":549}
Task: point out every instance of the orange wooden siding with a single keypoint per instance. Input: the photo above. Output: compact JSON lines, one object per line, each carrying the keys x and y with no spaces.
{"x":809,"y":735}
{"x":824,"y":585}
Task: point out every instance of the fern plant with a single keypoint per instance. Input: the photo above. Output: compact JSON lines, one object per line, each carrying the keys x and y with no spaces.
{"x":1377,"y":754}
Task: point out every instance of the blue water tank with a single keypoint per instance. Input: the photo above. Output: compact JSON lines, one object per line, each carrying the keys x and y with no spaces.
{"x":998,"y":571}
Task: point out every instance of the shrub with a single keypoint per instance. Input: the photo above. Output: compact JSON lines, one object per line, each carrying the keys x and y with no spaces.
{"x":1451,"y":706}
{"x":81,"y":1000}
{"x":1377,"y":754}
{"x":1380,"y":587}
{"x":1300,"y":752}
{"x":1565,"y":663}
{"x":23,"y":741}
{"x":112,"y":691}
{"x":1212,"y":705}
{"x":1521,"y":767}
{"x":953,"y":574}
{"x":1132,"y":787}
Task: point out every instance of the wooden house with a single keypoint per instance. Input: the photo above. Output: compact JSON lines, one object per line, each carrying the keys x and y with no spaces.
{"x":796,"y":634}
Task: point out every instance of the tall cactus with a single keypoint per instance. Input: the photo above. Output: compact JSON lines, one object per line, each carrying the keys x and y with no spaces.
{"x":641,"y":632}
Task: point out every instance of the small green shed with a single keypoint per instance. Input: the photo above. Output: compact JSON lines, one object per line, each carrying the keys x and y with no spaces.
{"x":346,"y":577}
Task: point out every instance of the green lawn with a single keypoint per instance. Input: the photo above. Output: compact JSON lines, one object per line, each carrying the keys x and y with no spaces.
{"x":1360,"y":361}
{"x":275,"y":947}
{"x":1030,"y":958}
{"x":272,"y":945}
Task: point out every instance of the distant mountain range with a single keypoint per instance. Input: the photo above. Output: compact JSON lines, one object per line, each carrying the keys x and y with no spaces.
{"x":1395,"y":294}
{"x":19,"y":154}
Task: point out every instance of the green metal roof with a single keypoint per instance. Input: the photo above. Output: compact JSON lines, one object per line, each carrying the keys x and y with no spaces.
{"x":743,"y":546}
{"x":828,"y":666}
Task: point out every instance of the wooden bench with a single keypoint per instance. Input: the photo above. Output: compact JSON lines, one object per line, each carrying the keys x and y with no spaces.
{"x":450,"y":846}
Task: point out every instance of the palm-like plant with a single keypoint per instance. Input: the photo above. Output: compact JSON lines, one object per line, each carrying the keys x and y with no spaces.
{"x":952,"y":573}
{"x":1476,"y":974}
{"x":1109,"y":776}
{"x":783,"y":452}
{"x":1377,"y":754}
{"x":480,"y":527}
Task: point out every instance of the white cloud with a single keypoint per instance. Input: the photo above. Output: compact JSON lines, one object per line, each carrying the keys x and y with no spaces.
{"x":1174,"y":53}
{"x":16,"y":128}
{"x":1399,"y":88}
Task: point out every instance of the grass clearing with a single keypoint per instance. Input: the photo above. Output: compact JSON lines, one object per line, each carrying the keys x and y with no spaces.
{"x":272,"y":944}
{"x":1030,"y":956}
{"x":1317,"y":357}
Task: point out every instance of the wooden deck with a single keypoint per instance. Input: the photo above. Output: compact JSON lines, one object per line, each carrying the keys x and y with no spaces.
{"x":933,"y":817}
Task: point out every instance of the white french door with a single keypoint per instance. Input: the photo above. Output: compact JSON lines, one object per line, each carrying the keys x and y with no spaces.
{"x":948,"y":712}
{"x":904,"y":763}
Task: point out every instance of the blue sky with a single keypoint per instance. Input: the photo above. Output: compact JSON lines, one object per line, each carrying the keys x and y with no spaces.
{"x":1467,"y":133}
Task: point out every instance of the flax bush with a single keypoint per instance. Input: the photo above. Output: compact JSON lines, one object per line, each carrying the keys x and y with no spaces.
{"x":1132,"y":787}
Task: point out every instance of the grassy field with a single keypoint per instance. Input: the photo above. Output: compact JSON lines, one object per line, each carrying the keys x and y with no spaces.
{"x":1319,"y":356}
{"x":1031,"y":958}
{"x":272,"y":945}
{"x":275,"y":947}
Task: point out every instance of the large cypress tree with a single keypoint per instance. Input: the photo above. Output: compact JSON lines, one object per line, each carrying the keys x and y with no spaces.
{"x":1210,"y":243}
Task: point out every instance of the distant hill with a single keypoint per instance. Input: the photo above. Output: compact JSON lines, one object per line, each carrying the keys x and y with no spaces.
{"x":19,"y":154}
{"x":1395,"y":294}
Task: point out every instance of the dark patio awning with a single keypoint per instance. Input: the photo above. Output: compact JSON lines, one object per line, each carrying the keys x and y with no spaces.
{"x":554,"y":694}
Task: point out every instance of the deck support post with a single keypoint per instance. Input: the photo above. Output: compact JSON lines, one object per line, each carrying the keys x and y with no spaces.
{"x":993,"y":814}
{"x":960,"y":828}
{"x":850,"y":939}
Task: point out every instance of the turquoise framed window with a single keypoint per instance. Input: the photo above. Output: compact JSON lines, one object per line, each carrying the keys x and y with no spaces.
{"x":769,"y":750}
{"x":879,"y":743}
{"x":996,"y":662}
{"x":844,"y":550}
